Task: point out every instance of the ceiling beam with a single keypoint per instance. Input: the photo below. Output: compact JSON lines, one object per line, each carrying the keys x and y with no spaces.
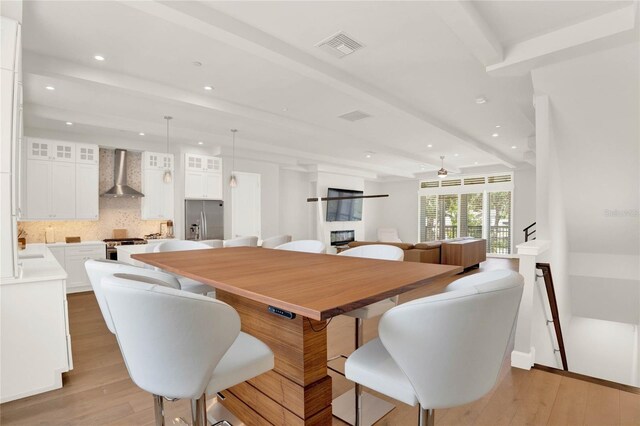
{"x":195,"y":16}
{"x":600,"y":32}
{"x":467,"y":24}
{"x":35,"y":64}
{"x":288,"y":156}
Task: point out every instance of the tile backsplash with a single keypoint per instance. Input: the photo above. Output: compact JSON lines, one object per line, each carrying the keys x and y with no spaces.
{"x":115,"y":213}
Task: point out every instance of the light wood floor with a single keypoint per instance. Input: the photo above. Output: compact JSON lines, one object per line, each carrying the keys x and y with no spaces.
{"x":99,"y":391}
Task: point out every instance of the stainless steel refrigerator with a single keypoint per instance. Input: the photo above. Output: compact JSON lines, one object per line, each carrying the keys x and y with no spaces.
{"x":204,"y":219}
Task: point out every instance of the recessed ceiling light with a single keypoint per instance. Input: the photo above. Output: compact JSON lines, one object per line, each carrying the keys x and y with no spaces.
{"x":99,"y":58}
{"x":197,"y":63}
{"x":68,"y":123}
{"x":368,"y":154}
{"x":429,"y":146}
{"x":455,"y":155}
{"x":200,"y":142}
{"x":50,"y":88}
{"x":497,"y":126}
{"x":208,"y":88}
{"x":513,"y":147}
{"x":141,"y":134}
{"x":476,"y":163}
{"x":495,"y":135}
{"x":285,"y":109}
{"x":481,"y":100}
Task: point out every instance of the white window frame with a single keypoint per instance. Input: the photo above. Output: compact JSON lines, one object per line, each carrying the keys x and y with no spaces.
{"x":484,"y":188}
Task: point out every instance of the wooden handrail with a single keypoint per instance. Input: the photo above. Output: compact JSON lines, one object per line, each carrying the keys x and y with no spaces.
{"x":553,"y":304}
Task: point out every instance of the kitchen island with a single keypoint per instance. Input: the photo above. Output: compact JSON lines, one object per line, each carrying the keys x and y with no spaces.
{"x":35,"y":345}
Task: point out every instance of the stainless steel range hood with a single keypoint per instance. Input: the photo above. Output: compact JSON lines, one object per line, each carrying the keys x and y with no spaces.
{"x":120,"y":187}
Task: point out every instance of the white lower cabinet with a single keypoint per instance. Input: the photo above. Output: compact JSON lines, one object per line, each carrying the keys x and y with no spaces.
{"x":34,"y":338}
{"x":72,"y":258}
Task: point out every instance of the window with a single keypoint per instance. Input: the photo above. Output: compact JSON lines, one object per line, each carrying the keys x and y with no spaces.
{"x":475,"y":206}
{"x":471,"y":215}
{"x":499,"y":218}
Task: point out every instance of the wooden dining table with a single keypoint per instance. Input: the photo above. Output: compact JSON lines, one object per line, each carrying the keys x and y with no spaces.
{"x":286,"y":299}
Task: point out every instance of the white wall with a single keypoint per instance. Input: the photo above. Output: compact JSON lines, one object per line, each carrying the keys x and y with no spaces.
{"x":373,"y":210}
{"x":400,"y":210}
{"x":588,"y":197}
{"x":524,"y":202}
{"x":294,"y":209}
{"x":324,"y":181}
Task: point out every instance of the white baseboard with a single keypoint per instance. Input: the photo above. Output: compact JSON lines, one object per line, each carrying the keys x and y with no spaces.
{"x":523,"y":360}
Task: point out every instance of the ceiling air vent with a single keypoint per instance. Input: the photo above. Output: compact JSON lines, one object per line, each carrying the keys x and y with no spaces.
{"x":354,"y":116}
{"x":340,"y":45}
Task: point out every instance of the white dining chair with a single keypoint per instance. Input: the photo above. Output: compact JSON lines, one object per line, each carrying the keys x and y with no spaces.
{"x":348,"y":403}
{"x":179,"y":345}
{"x":97,"y":269}
{"x":192,"y":286}
{"x":276,"y":241}
{"x":242,"y":242}
{"x":305,"y":246}
{"x":444,"y":350}
{"x":213,"y":243}
{"x":388,"y":235}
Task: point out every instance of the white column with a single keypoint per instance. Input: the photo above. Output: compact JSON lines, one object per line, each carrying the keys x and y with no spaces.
{"x":523,"y":355}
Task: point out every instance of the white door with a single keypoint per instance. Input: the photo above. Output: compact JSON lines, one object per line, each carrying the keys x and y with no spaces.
{"x":245,"y":206}
{"x":87,"y":191}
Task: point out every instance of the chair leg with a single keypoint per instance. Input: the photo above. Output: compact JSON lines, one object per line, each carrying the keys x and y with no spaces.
{"x":158,"y":409}
{"x":358,"y":390}
{"x":426,"y":417}
{"x":199,"y":411}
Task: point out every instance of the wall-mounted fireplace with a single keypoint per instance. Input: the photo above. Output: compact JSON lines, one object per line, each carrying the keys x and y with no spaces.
{"x":341,"y":238}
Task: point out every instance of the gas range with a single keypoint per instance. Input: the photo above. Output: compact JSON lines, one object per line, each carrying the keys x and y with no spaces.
{"x":112,"y":243}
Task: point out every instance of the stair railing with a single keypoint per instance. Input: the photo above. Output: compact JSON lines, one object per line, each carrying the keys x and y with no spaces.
{"x":528,"y":233}
{"x":553,"y":305}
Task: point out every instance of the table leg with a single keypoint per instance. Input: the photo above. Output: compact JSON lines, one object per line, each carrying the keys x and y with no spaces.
{"x":298,"y":390}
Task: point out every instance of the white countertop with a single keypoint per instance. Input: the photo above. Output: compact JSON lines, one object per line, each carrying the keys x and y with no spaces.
{"x":82,"y":243}
{"x":134,"y":249}
{"x":36,"y":263}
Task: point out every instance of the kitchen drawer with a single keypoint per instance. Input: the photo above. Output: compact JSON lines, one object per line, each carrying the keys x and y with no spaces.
{"x":91,"y":252}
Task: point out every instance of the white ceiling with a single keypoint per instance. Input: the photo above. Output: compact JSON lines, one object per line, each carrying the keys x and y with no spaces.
{"x":415,"y":77}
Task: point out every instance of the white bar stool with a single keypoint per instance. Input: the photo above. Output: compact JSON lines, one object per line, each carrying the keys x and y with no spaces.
{"x":304,"y":246}
{"x":242,"y":242}
{"x":357,"y":407}
{"x":179,"y":345}
{"x":276,"y":241}
{"x":187,"y":284}
{"x":444,"y":350}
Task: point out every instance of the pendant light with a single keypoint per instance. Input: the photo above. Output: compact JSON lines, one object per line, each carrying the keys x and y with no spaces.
{"x":233,"y":182}
{"x":167,"y":177}
{"x":442,"y":173}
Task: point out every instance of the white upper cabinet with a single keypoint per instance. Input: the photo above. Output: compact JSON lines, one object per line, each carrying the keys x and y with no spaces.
{"x":87,"y":183}
{"x":50,"y":190}
{"x":157,"y":202}
{"x":43,"y":149}
{"x":202,"y":177}
{"x":87,"y":154}
{"x":61,"y":180}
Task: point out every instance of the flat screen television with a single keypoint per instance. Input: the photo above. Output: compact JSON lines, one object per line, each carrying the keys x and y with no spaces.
{"x":344,"y":210}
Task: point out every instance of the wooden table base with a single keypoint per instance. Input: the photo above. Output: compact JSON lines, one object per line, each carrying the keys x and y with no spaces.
{"x":298,"y":390}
